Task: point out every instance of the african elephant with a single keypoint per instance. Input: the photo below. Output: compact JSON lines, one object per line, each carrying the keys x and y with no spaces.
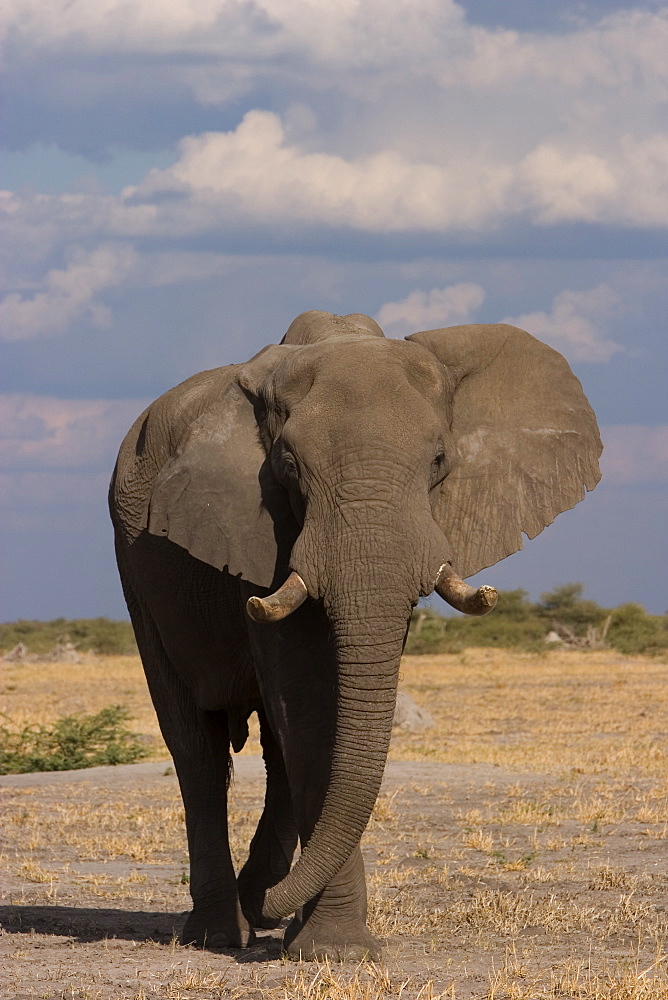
{"x":275,"y":524}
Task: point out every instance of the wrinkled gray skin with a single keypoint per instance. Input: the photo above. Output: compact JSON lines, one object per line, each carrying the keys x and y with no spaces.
{"x":363,"y":464}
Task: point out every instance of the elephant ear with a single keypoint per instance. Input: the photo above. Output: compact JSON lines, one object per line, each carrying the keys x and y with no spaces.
{"x":526,"y":440}
{"x":217,"y":497}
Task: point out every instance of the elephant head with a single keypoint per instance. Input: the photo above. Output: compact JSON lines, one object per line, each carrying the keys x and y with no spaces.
{"x":365,"y":472}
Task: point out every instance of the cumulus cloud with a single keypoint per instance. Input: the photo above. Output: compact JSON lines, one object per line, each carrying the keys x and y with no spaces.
{"x":575,"y":325}
{"x":635,"y":454}
{"x":394,"y":118}
{"x":255,"y":172}
{"x":46,"y":433}
{"x":67,"y":294}
{"x":401,"y":76}
{"x":429,"y":310}
{"x":627,"y":186}
{"x":433,"y":35}
{"x":608,"y":54}
{"x":349,"y":32}
{"x":222,"y":180}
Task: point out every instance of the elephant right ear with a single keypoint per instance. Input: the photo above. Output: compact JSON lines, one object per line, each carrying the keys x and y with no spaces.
{"x":217,"y":497}
{"x":525,"y":438}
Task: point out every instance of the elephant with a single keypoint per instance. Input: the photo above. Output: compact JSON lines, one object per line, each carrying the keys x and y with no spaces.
{"x":275,"y":524}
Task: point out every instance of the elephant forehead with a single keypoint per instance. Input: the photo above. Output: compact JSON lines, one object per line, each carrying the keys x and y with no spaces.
{"x":351,"y":369}
{"x":361,"y":417}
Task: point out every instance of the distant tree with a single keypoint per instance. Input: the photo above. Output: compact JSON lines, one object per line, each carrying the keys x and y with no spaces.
{"x":565,"y":605}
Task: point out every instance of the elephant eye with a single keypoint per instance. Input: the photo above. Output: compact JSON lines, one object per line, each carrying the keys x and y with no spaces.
{"x":284,"y":463}
{"x":439,"y":469}
{"x":289,"y":465}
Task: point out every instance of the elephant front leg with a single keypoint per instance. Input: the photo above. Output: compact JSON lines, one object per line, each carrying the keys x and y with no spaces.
{"x":199,"y":745}
{"x":333,"y":924}
{"x":275,"y":839}
{"x":216,"y":920}
{"x":297,"y":672}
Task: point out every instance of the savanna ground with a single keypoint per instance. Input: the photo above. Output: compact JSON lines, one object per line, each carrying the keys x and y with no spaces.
{"x":517,"y":850}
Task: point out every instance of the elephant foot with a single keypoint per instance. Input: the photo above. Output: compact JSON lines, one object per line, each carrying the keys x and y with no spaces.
{"x":337,"y":942}
{"x":214,"y":931}
{"x":251,"y":905}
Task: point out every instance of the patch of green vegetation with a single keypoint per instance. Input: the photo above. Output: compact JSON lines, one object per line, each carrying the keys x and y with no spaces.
{"x":517,"y":623}
{"x":100,"y":635}
{"x":632,"y":630}
{"x":73,"y":741}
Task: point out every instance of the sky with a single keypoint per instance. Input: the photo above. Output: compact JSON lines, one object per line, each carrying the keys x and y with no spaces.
{"x":180,"y":180}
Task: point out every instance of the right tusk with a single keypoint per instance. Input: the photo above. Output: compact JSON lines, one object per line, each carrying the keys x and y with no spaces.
{"x":281,"y":603}
{"x":459,"y":595}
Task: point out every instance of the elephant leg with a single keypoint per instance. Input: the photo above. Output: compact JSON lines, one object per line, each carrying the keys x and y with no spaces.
{"x":275,"y":839}
{"x":333,"y":924}
{"x":216,"y":920}
{"x":298,"y":683}
{"x":199,"y":744}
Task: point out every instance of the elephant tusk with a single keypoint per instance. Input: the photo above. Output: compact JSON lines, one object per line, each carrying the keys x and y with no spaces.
{"x":452,"y":589}
{"x":281,"y":603}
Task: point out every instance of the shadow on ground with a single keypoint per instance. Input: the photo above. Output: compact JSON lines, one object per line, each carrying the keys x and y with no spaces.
{"x":86,"y":925}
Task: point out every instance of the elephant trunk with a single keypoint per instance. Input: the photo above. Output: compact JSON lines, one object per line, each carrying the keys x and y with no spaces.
{"x":369,"y":631}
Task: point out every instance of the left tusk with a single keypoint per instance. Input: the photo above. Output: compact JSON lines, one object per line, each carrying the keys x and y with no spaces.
{"x":459,"y":595}
{"x":281,"y":603}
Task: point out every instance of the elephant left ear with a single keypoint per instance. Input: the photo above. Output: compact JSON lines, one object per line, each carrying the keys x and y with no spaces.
{"x":526,"y":440}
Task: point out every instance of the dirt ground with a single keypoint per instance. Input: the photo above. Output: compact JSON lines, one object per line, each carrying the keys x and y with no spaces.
{"x":487,"y":879}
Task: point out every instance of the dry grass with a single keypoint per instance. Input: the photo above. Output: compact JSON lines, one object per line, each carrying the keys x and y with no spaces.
{"x":548,"y":885}
{"x":43,"y":692}
{"x":585,"y":712}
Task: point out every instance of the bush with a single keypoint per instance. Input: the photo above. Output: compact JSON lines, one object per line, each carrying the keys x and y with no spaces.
{"x":73,"y":741}
{"x":632,"y":630}
{"x":101,"y":635}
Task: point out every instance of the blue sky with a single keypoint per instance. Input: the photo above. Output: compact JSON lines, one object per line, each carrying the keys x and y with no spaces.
{"x":181,"y":180}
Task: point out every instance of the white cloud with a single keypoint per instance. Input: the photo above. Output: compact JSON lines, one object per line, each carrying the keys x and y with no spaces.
{"x":67,"y":294}
{"x":430,"y":35}
{"x":575,"y":326}
{"x":440,"y":126}
{"x":254,"y":172}
{"x":567,"y":188}
{"x":371,"y":32}
{"x":412,"y":77}
{"x":628,"y":186}
{"x":430,"y":310}
{"x":43,"y":432}
{"x":609,"y":54}
{"x":412,"y":119}
{"x":635,"y":454}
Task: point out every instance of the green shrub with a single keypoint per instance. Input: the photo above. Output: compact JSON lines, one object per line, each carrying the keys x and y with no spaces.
{"x":632,"y":630}
{"x":73,"y":741}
